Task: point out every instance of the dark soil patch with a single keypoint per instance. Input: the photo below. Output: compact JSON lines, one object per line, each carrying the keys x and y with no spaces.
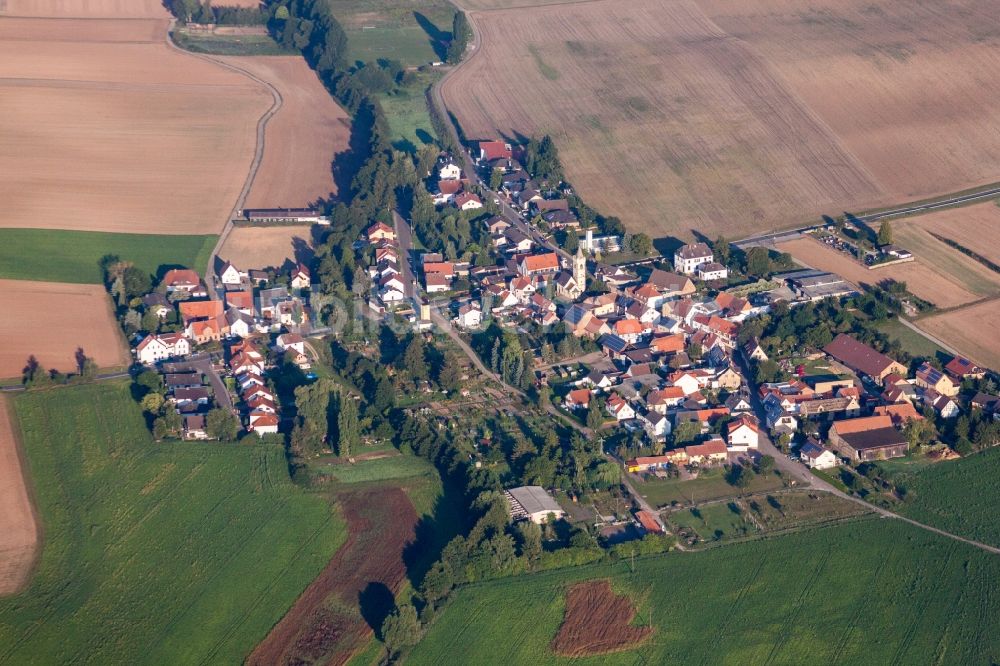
{"x":333,"y":618}
{"x":597,"y":622}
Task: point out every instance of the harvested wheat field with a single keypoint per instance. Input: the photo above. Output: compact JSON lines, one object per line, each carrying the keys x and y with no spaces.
{"x":742,"y":117}
{"x":111,"y":130}
{"x":974,"y":227}
{"x":302,"y":137}
{"x":50,"y":320}
{"x":971,"y":331}
{"x":597,"y":621}
{"x":259,"y":247}
{"x":956,"y":281}
{"x":119,"y":9}
{"x":18,"y":525}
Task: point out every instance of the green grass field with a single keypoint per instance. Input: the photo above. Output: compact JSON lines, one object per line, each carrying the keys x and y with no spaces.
{"x":912,"y":341}
{"x":406,"y":111}
{"x":412,"y":31}
{"x":710,"y":485}
{"x":381,"y":469}
{"x":155,"y":553}
{"x":868,"y":592}
{"x":235,"y":45}
{"x":959,"y":496}
{"x":72,"y":256}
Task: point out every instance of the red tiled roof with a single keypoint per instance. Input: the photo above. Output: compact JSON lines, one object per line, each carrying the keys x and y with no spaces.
{"x":547,"y":261}
{"x":849,"y":426}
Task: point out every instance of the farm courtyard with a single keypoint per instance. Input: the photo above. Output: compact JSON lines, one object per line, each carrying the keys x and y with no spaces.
{"x":726,"y":118}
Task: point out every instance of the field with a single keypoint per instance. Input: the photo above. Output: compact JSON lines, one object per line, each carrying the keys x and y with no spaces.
{"x":413,"y":32}
{"x":710,"y":485}
{"x":228,"y":45}
{"x":152,"y":553}
{"x":302,"y":138}
{"x":958,"y":496}
{"x":407,"y":113}
{"x":114,"y":131}
{"x":51,"y":320}
{"x":974,"y":227}
{"x":597,"y":621}
{"x":871,"y":591}
{"x":257,"y":247}
{"x":971,"y":330}
{"x":733,"y":118}
{"x":72,"y":256}
{"x":913,"y":342}
{"x":380,"y":469}
{"x":956,"y":281}
{"x":18,"y":527}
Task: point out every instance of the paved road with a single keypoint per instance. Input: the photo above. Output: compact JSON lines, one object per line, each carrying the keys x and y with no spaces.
{"x":203,"y":363}
{"x":276,"y":103}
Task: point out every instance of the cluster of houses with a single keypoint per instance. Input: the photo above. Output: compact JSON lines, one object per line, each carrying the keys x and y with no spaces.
{"x":249,"y":308}
{"x":190,"y":396}
{"x":388,"y":285}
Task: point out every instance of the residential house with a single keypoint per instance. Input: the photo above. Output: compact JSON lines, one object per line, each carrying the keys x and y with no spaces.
{"x":240,"y":324}
{"x":577,"y":399}
{"x":448,"y":170}
{"x":546,"y":263}
{"x":294,"y":341}
{"x":929,"y":377}
{"x":447,"y":190}
{"x":817,"y":457}
{"x":743,"y":434}
{"x":711,"y":451}
{"x":944,"y":405}
{"x":207,"y":330}
{"x":184,"y":282}
{"x":470,"y":315}
{"x":656,"y":425}
{"x":668,"y":397}
{"x":962,"y":368}
{"x":900,"y":413}
{"x":301,"y":278}
{"x":739,"y":402}
{"x":263,"y":423}
{"x":154,"y":348}
{"x":241,"y":300}
{"x":197,"y":395}
{"x":689,"y":257}
{"x":619,"y":408}
{"x":712,"y":270}
{"x":861,"y":358}
{"x":158,"y":304}
{"x":494,"y":150}
{"x":727,"y":378}
{"x":670,"y":285}
{"x":653,"y":463}
{"x":753,"y":351}
{"x":629,"y":330}
{"x":467,"y":201}
{"x":868,"y":438}
{"x":380,"y":231}
{"x":436,"y":283}
{"x":230,"y":275}
{"x":194,"y":426}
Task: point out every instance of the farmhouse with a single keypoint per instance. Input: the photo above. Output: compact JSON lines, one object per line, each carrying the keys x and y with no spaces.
{"x":869,"y":438}
{"x":962,"y":368}
{"x":532,"y":503}
{"x":862,"y":358}
{"x":689,"y":257}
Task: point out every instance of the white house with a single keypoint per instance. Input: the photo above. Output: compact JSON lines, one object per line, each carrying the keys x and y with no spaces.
{"x":291,"y":341}
{"x":230,"y":274}
{"x":300,"y":278}
{"x":743,"y":434}
{"x":712,"y":271}
{"x":689,"y":257}
{"x":240,"y":323}
{"x":656,"y":425}
{"x":449,"y":171}
{"x":467,"y":201}
{"x":817,"y":457}
{"x":155,"y":348}
{"x":470,"y":315}
{"x":263,"y":423}
{"x":619,"y":408}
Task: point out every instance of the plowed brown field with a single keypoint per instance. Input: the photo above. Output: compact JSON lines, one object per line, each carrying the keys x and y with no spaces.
{"x":50,"y":320}
{"x":975,"y":227}
{"x":731,"y":118}
{"x":597,"y":621}
{"x":18,"y":526}
{"x":108,"y":129}
{"x":325,"y":624}
{"x":971,"y":331}
{"x":301,"y":139}
{"x":259,"y":247}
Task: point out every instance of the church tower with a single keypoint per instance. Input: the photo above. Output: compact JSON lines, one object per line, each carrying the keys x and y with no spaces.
{"x":580,"y":270}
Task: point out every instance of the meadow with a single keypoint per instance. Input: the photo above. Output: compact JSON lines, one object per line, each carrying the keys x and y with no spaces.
{"x":710,"y":485}
{"x":413,"y":32}
{"x":73,"y":256}
{"x":912,"y":341}
{"x":957,"y":496}
{"x":870,"y":591}
{"x":155,"y":553}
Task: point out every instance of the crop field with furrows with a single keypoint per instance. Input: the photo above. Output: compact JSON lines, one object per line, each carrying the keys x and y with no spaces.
{"x":976,"y":228}
{"x":733,"y":118}
{"x":971,"y":330}
{"x":944,"y":276}
{"x":19,"y":533}
{"x":36,"y":319}
{"x":958,"y":496}
{"x":155,"y":553}
{"x":106,"y":128}
{"x":303,"y":138}
{"x":870,"y":591}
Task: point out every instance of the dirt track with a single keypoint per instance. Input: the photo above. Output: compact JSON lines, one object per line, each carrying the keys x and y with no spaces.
{"x":19,"y":531}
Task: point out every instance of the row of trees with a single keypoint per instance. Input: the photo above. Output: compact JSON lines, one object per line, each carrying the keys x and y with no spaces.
{"x":34,"y":375}
{"x":198,"y":11}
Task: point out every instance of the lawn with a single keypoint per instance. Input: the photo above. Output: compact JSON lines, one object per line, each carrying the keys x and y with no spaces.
{"x":912,"y":341}
{"x":155,"y":553}
{"x":710,"y":485}
{"x":959,"y":496}
{"x":414,"y":32}
{"x":55,"y":255}
{"x":715,"y":521}
{"x":230,"y":45}
{"x":868,"y":592}
{"x":380,"y":469}
{"x":406,"y":111}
